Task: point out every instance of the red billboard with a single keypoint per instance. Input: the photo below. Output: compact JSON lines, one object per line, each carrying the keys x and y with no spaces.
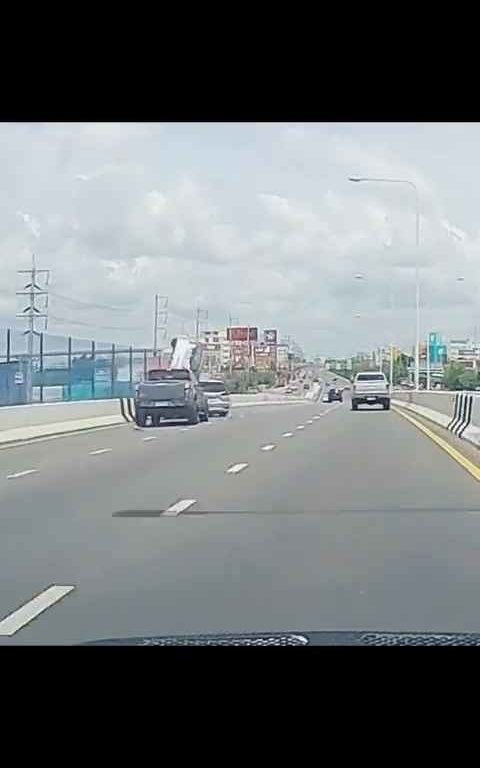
{"x":242,"y":333}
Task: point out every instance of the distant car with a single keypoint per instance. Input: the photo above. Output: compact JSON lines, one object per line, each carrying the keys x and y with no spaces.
{"x":335,"y":395}
{"x":306,"y":386}
{"x":217,"y":396}
{"x":289,"y":390}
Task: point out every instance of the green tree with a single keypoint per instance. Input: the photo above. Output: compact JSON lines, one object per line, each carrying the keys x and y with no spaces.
{"x":452,"y":375}
{"x":468,"y":380}
{"x":400,"y":368}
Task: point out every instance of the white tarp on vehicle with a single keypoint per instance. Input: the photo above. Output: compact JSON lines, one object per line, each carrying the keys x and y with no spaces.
{"x":186,"y":354}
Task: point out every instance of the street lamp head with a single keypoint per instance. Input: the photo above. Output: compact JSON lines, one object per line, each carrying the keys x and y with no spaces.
{"x":460,"y":279}
{"x":359,"y":276}
{"x":355,"y":178}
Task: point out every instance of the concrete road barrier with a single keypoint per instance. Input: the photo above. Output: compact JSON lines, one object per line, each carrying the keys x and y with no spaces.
{"x":459,"y":412}
{"x":471,"y":431}
{"x":37,"y":414}
{"x":437,"y":401}
{"x":462,"y":413}
{"x":28,"y":422}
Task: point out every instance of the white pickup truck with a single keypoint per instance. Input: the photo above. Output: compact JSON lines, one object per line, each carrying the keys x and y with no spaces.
{"x":370,"y":388}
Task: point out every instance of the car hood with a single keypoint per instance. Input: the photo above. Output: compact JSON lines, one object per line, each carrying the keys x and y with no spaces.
{"x":363,"y":638}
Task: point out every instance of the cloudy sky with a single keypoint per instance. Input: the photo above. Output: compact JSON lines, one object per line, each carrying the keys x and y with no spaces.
{"x":252,"y":220}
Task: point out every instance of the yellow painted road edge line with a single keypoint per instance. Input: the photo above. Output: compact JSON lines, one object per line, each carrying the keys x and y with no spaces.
{"x":456,"y":455}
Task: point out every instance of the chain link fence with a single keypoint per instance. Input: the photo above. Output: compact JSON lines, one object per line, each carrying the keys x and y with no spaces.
{"x":64,"y":368}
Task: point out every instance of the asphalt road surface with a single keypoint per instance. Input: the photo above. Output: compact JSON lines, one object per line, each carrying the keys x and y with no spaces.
{"x":293,"y":517}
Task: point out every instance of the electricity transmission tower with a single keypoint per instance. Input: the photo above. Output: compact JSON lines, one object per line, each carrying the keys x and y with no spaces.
{"x":201,"y":315}
{"x":32,"y":311}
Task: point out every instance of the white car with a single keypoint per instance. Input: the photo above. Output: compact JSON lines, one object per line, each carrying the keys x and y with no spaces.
{"x":217,"y":396}
{"x":370,"y":388}
{"x":325,"y":399}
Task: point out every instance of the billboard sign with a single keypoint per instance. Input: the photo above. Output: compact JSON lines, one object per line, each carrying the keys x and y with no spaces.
{"x":240,"y":356}
{"x":242,"y":333}
{"x":270,"y":336}
{"x":437,"y":348}
{"x":264,"y":358}
{"x":282,"y":356}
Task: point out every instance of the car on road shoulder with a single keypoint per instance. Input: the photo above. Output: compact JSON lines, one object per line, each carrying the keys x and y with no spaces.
{"x":370,"y":388}
{"x":217,"y":396}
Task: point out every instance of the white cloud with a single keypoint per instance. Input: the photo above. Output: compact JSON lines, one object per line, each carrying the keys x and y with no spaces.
{"x":121,"y":211}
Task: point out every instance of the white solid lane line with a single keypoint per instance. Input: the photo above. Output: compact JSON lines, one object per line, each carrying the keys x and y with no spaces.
{"x":179,"y":507}
{"x":21,"y":474}
{"x":236,"y":468}
{"x":23,"y":615}
{"x":267,"y":447}
{"x":287,"y":434}
{"x":147,"y":439}
{"x":100,"y":450}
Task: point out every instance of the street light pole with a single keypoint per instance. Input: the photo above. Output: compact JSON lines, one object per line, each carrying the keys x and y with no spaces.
{"x":428,"y":361}
{"x":360,"y":276}
{"x":417,"y":274}
{"x":391,"y":338}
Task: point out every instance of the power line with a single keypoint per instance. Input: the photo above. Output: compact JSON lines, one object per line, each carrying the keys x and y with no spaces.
{"x":88,"y":304}
{"x":67,"y":321}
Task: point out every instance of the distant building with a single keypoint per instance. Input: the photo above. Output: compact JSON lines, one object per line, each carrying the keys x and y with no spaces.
{"x":216,"y":354}
{"x":464,"y":352}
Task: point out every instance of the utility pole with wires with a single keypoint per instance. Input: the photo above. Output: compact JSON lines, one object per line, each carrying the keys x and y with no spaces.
{"x":201,"y":316}
{"x":160,"y":321}
{"x":33,"y":312}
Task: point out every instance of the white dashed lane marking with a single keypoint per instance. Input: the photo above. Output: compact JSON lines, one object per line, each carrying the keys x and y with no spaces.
{"x":236,"y":468}
{"x":22,"y":474}
{"x":287,"y":434}
{"x":310,"y":421}
{"x":29,"y":611}
{"x":147,"y":439}
{"x":316,"y":417}
{"x":301,"y":426}
{"x":267,"y":447}
{"x":100,"y":450}
{"x":179,"y":507}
